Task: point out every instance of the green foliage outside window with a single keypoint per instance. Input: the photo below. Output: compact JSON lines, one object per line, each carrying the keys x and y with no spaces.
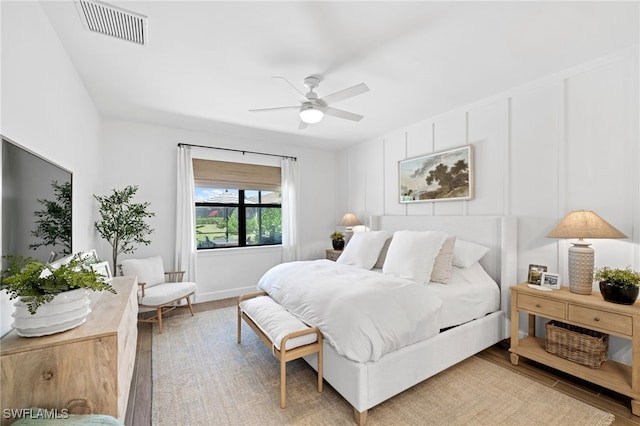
{"x":243,"y":222}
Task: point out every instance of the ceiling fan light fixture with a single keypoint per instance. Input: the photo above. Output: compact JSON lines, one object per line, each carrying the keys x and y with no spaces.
{"x":310,"y":115}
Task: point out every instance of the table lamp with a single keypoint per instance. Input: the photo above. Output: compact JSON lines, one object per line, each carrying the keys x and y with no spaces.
{"x":582,"y":224}
{"x":349,"y":220}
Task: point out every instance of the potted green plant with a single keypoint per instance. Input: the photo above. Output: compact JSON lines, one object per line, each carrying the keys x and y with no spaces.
{"x":122,"y":222}
{"x":51,"y":297}
{"x":618,"y":285}
{"x":337,"y":240}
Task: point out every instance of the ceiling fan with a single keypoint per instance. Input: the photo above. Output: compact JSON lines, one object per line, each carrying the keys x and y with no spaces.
{"x":312,"y":109}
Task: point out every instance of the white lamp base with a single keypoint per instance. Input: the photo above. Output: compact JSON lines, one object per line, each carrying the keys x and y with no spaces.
{"x":581,"y":268}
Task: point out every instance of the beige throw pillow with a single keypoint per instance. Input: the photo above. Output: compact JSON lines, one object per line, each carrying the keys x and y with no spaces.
{"x":383,"y":254}
{"x":444,"y":261}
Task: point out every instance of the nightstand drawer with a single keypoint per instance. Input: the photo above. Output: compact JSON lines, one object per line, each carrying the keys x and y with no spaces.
{"x":603,"y":320}
{"x":542,"y":306}
{"x":333,"y":254}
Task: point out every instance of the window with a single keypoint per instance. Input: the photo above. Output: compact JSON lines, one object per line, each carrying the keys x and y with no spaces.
{"x":237,"y":205}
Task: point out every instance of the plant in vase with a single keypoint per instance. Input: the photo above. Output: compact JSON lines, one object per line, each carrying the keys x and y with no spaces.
{"x":52,"y":297}
{"x":618,"y":285}
{"x":122,"y":222}
{"x":337,"y":240}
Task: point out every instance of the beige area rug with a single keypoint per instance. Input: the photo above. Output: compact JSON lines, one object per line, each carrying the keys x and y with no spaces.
{"x":201,"y":376}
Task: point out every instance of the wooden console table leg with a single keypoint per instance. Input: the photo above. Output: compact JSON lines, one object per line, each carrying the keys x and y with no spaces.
{"x":515,"y":325}
{"x":514,"y":359}
{"x":532,"y":325}
{"x":635,"y":366}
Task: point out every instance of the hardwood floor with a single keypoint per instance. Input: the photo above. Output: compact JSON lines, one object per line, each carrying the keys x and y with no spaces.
{"x":139,"y":407}
{"x":589,"y":393}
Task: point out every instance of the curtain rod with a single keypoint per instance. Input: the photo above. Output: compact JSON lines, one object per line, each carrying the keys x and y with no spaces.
{"x":243,"y":151}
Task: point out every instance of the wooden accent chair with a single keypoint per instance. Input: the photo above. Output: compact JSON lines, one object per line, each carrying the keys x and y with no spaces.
{"x":158,"y":290}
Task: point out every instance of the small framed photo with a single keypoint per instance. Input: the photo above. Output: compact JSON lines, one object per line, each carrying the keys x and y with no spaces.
{"x":102,"y":268}
{"x":535,"y":273}
{"x":90,"y":256}
{"x":550,"y":280}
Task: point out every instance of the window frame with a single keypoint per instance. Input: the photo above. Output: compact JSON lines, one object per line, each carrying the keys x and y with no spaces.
{"x":242,"y":207}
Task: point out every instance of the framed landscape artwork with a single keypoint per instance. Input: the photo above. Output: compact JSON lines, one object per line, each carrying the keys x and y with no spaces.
{"x":440,"y":176}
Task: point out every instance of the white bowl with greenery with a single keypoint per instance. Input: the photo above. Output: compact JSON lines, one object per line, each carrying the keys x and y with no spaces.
{"x":51,"y":298}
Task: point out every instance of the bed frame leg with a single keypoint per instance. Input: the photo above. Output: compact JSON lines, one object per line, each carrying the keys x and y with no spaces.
{"x":360,"y":417}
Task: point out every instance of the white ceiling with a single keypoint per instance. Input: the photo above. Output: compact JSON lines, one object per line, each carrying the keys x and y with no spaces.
{"x":208,"y":62}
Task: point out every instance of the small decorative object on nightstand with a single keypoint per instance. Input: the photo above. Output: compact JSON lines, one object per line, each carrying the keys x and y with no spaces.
{"x":618,"y":285}
{"x":333,"y":254}
{"x":337,"y":240}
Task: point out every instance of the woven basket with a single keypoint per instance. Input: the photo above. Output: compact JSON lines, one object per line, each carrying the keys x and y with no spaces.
{"x":577,"y":344}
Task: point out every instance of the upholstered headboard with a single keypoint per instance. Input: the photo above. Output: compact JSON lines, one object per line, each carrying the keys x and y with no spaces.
{"x":498,"y":233}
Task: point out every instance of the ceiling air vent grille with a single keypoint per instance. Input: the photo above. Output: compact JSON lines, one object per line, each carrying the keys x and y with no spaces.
{"x":103,"y":18}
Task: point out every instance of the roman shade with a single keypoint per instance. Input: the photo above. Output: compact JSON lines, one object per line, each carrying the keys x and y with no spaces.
{"x":229,"y":175}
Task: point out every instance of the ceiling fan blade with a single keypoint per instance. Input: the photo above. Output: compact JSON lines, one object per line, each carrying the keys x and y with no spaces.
{"x":347,"y":93}
{"x":292,"y":86}
{"x":302,"y":125}
{"x":342,"y":114}
{"x":274,"y":109}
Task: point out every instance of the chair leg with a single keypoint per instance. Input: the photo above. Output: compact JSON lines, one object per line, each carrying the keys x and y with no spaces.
{"x":239,"y":324}
{"x":160,"y":320}
{"x":189,"y":303}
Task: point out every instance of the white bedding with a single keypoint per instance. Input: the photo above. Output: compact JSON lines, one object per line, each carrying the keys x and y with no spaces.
{"x":361,"y":313}
{"x":469,"y":294}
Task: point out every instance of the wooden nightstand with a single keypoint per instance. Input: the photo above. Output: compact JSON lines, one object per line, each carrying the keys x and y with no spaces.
{"x":590,"y":311}
{"x":332,"y":254}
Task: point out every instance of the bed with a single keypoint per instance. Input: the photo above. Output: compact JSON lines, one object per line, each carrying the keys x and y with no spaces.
{"x":367,"y":381}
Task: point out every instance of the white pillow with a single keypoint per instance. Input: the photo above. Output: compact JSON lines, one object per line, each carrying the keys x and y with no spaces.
{"x":149,"y":271}
{"x":412,"y":254}
{"x":363,"y":249}
{"x":466,"y":253}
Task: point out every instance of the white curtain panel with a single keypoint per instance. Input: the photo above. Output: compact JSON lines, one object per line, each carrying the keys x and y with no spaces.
{"x":290,"y":249}
{"x":185,"y":250}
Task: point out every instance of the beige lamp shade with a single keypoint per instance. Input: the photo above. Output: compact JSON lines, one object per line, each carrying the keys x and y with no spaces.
{"x":582,"y":224}
{"x":349,"y":219}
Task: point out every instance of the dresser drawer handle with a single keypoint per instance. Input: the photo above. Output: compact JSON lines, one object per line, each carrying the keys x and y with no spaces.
{"x":596,"y":319}
{"x":538,"y":305}
{"x":47,"y":375}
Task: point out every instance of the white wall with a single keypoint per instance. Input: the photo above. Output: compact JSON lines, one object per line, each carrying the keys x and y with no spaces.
{"x":46,"y":109}
{"x":566,"y":142}
{"x":146,"y":155}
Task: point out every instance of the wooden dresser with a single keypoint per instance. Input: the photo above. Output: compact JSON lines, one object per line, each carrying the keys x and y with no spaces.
{"x":86,"y":370}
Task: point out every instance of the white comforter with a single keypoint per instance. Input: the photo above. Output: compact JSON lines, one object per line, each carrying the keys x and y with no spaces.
{"x":363,"y":314}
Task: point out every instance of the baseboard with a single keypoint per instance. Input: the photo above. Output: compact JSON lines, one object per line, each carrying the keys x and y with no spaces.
{"x":224,"y":294}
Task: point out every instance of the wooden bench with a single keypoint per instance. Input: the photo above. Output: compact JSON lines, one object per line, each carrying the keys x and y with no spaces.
{"x":283,"y":333}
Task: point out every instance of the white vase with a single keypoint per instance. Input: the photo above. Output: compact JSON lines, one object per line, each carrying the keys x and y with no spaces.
{"x":66,"y":311}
